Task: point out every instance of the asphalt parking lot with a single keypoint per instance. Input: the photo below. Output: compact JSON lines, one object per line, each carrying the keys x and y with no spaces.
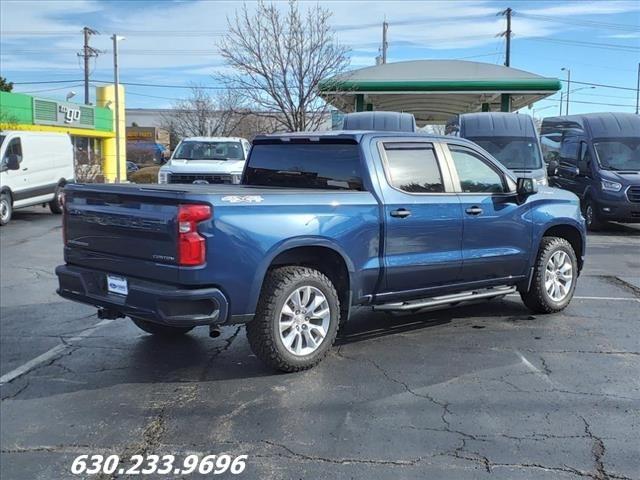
{"x":485,"y":391}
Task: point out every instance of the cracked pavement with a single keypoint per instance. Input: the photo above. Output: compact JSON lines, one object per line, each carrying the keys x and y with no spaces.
{"x":485,"y":391}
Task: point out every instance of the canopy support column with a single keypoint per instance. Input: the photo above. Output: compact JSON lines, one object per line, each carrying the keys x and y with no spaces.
{"x":505,"y":102}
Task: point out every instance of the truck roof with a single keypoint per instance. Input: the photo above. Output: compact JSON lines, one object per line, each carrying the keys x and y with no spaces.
{"x":354,"y":135}
{"x":213,"y":139}
{"x":598,"y":125}
{"x":495,"y":124}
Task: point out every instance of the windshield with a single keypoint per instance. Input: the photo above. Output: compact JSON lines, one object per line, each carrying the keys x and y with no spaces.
{"x":209,"y":151}
{"x":619,"y":154}
{"x":512,"y":152}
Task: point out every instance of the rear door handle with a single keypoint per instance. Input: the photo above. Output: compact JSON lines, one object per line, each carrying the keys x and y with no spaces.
{"x":473,"y":210}
{"x":401,"y":213}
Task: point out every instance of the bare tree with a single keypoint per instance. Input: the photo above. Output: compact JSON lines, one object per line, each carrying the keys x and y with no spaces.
{"x":278,"y":59}
{"x":202,"y":114}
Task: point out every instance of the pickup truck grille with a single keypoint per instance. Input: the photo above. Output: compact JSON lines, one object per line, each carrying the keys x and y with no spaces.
{"x":633,"y":194}
{"x":198,"y":178}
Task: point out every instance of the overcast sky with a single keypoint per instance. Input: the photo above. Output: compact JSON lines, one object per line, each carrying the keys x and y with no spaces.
{"x":174,"y":42}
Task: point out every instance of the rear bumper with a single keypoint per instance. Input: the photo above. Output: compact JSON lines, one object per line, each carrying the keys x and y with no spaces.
{"x":156,"y":302}
{"x":625,"y":212}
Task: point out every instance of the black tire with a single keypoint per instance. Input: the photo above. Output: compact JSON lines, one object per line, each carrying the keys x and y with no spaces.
{"x":55,"y":205}
{"x":537,"y":299}
{"x":160,"y":330}
{"x":592,"y":219}
{"x":262,"y":332}
{"x":6,"y":208}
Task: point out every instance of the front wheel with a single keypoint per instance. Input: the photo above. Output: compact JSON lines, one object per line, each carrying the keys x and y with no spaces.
{"x":591,"y":217}
{"x":160,"y":330}
{"x":297,"y":319}
{"x":5,"y":209}
{"x":554,"y":277}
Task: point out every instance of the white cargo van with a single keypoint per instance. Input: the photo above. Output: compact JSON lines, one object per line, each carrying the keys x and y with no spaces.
{"x":34,"y":166}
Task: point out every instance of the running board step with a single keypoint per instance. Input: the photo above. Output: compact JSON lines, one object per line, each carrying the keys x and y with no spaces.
{"x":447,"y":299}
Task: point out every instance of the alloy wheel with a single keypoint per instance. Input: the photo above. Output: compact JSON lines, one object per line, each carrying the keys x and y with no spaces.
{"x":304,"y":321}
{"x":558,"y":276}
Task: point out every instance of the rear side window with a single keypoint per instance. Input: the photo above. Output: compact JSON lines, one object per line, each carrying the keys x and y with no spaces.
{"x":329,"y":166}
{"x":413,"y":168}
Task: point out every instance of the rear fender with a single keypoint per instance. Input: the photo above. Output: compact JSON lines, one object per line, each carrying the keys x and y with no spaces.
{"x":306,"y":241}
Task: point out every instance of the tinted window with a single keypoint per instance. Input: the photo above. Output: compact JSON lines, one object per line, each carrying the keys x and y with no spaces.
{"x":512,"y":152}
{"x":475,"y":175}
{"x":413,"y":168}
{"x":569,"y":151}
{"x":332,"y":166}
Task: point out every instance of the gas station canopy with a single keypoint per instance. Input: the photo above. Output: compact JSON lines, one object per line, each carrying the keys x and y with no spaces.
{"x":434,"y":90}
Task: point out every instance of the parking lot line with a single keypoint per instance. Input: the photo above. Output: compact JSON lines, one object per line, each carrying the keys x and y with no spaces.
{"x":50,"y":354}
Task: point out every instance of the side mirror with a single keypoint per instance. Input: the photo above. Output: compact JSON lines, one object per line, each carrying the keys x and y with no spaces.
{"x":526,"y":186}
{"x":552,"y":168}
{"x":13,"y":162}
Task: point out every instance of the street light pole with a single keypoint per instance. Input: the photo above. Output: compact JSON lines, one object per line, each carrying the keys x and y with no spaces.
{"x":116,"y":83}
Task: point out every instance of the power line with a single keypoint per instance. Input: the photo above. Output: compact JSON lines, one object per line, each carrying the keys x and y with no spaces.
{"x":587,"y":103}
{"x":600,"y":85}
{"x":579,"y":43}
{"x":587,"y":23}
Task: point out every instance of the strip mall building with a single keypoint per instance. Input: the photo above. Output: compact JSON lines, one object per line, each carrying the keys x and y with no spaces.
{"x":92,"y":128}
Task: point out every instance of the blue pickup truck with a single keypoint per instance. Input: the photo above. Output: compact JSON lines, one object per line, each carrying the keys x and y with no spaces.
{"x":321,"y":223}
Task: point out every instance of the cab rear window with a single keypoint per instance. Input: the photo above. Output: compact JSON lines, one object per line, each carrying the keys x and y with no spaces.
{"x":328,"y":166}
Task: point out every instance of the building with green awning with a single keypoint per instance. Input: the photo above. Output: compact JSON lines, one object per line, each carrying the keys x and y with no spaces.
{"x":434,"y":90}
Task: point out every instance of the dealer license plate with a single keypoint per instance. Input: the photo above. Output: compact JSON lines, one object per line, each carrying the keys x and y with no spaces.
{"x":117,"y":285}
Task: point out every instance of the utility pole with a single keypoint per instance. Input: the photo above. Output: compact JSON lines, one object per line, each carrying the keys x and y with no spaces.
{"x":638,"y":91}
{"x":507,"y":34}
{"x":561,"y":100}
{"x":385,"y":45}
{"x":116,"y":85}
{"x":87,"y":53}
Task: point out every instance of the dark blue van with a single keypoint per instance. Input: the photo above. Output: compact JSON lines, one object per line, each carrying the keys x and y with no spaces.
{"x":597,"y":157}
{"x":510,"y":137}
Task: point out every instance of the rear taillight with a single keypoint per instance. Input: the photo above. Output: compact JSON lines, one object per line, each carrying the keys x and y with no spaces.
{"x":192,"y":247}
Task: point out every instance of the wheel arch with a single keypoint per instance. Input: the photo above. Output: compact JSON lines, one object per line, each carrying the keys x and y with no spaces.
{"x":319,"y":255}
{"x":572,"y":235}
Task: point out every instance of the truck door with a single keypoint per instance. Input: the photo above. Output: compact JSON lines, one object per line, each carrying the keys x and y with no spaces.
{"x":497,"y":232}
{"x":423,"y":219}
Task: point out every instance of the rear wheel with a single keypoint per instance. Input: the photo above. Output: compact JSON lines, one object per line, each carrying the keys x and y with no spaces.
{"x":160,"y":330}
{"x":554,"y":277}
{"x":55,"y":205}
{"x":6,"y":209}
{"x":297,"y":319}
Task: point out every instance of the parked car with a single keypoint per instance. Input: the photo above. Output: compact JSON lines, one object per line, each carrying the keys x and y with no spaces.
{"x":322,"y":222}
{"x":34,"y":169}
{"x":147,"y":153}
{"x":597,"y":157}
{"x":206,"y":160}
{"x":132,"y":167}
{"x":510,"y":137}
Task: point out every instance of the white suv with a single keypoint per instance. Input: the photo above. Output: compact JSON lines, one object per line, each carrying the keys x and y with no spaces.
{"x":206,"y":160}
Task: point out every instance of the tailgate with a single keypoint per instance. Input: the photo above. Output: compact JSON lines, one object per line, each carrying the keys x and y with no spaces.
{"x":129,"y":230}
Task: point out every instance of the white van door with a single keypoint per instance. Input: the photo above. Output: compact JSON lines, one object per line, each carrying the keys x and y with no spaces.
{"x":38,"y":169}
